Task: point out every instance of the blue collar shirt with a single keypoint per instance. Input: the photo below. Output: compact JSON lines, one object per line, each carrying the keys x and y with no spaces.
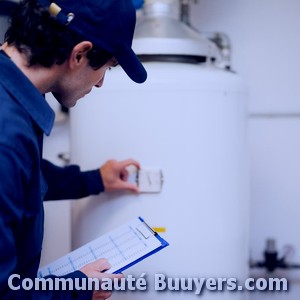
{"x":26,"y":180}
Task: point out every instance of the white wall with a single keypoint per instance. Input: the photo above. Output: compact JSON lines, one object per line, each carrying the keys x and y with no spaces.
{"x":265,"y":46}
{"x":265,"y":41}
{"x":3,"y":26}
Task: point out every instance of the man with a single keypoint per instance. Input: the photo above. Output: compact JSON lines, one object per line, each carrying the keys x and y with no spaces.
{"x":64,"y":48}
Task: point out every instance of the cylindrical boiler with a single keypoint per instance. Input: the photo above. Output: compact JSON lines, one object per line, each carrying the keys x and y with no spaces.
{"x":189,"y":120}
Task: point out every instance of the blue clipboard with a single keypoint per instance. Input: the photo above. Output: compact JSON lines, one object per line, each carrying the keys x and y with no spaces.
{"x":135,"y":238}
{"x":163,"y":244}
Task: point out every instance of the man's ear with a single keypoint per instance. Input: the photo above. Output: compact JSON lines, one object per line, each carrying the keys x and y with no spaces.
{"x":78,"y":54}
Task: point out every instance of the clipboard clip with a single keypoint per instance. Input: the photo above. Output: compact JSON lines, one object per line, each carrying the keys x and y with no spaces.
{"x":145,"y":229}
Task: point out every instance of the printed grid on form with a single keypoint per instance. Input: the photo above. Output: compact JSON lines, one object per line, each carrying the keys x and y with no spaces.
{"x":120,"y":247}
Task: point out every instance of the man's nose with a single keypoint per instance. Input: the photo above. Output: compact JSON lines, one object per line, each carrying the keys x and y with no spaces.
{"x":100,"y":83}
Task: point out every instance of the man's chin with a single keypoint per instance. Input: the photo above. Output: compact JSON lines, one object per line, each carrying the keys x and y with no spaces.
{"x":68,"y":103}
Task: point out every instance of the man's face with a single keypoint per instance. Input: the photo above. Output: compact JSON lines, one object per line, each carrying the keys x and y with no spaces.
{"x":77,"y":83}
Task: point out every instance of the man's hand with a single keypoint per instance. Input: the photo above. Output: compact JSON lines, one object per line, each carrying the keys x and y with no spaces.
{"x":95,"y":270}
{"x":114,"y":175}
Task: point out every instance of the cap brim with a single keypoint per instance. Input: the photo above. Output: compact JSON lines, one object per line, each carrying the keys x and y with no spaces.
{"x":131,"y":65}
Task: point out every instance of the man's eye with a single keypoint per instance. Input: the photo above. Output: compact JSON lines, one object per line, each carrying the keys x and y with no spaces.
{"x":113,"y":62}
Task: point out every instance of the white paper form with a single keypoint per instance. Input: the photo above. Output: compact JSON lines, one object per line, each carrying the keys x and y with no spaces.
{"x":121,"y":247}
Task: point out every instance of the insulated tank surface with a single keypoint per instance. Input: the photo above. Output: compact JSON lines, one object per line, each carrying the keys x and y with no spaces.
{"x":190,"y":122}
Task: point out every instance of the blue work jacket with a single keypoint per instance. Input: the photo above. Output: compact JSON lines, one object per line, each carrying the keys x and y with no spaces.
{"x":26,"y":180}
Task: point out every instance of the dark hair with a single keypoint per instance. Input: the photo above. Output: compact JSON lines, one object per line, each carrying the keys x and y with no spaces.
{"x":43,"y":40}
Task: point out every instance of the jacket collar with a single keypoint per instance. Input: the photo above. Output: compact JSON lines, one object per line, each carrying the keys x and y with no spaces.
{"x":22,"y":89}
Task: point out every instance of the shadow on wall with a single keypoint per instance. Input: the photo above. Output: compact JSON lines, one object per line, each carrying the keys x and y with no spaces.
{"x":3,"y":27}
{"x":6,"y":7}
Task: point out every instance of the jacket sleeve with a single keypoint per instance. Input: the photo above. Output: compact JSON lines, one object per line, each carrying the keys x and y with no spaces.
{"x":14,"y":174}
{"x":70,"y":182}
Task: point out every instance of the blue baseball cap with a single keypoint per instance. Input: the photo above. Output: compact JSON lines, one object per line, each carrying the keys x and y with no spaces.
{"x":108,"y":24}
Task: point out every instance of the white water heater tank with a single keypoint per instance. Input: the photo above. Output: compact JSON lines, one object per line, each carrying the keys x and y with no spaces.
{"x":189,"y":120}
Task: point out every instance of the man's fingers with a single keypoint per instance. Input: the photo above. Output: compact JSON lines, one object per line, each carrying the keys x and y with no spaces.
{"x":115,"y":175}
{"x":124,"y":174}
{"x":129,"y":162}
{"x":129,"y":186}
{"x":103,"y":264}
{"x":101,"y":295}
